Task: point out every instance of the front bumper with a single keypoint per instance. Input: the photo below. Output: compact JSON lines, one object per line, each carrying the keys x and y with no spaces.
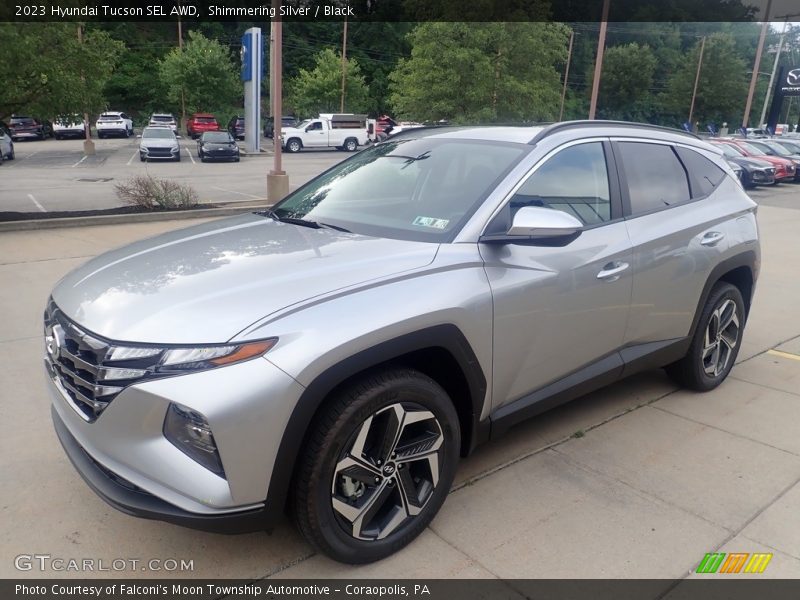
{"x":127,"y":498}
{"x":247,"y":405}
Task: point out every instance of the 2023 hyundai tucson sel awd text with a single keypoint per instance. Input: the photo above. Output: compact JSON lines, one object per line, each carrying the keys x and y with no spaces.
{"x":336,"y":354}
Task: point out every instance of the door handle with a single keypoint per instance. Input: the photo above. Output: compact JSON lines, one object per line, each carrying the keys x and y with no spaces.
{"x":712,"y":238}
{"x":612,"y":270}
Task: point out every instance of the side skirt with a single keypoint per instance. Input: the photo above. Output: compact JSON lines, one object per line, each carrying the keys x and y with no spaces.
{"x":616,"y":366}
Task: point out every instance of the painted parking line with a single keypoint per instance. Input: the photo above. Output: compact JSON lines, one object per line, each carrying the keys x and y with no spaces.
{"x":213,"y":187}
{"x":81,"y":160}
{"x":36,"y":202}
{"x":190,"y":156}
{"x":130,"y":160}
{"x":784,"y":354}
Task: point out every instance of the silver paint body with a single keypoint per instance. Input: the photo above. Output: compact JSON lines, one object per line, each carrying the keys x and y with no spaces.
{"x":532,"y":314}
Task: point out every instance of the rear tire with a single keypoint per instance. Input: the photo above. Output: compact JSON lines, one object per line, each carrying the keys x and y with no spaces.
{"x":351,"y":145}
{"x":377,"y":465}
{"x":716,"y":342}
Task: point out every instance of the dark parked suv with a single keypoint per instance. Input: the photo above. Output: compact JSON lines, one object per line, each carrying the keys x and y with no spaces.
{"x":236,"y":127}
{"x":336,"y":354}
{"x":28,"y":128}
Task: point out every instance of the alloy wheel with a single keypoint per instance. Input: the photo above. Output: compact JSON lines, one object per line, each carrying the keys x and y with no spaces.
{"x":387,"y":472}
{"x":721,"y":337}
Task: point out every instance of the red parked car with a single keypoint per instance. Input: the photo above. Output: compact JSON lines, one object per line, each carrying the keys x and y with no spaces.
{"x":784,"y":168}
{"x":199,"y":123}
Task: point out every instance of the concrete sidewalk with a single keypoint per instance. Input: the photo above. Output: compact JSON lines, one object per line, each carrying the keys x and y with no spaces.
{"x":638,"y":480}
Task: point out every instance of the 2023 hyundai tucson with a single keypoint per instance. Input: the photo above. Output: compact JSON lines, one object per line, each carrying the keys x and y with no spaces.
{"x":335,"y":355}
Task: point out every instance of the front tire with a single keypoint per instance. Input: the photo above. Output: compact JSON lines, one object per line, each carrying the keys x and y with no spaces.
{"x":716,"y":341}
{"x":377,"y":466}
{"x":294,"y":145}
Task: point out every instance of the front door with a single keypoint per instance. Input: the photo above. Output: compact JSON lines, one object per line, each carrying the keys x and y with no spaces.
{"x":560,"y":308}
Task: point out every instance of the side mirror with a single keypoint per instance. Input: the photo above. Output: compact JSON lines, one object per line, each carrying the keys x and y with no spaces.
{"x":540,"y":222}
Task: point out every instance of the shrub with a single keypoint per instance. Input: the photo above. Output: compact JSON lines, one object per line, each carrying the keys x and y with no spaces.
{"x":150,"y":193}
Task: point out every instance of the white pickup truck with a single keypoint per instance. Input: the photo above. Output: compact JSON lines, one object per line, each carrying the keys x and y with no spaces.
{"x":340,"y":131}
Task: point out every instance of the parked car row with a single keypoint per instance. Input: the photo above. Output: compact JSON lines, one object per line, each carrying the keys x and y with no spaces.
{"x":762,"y":161}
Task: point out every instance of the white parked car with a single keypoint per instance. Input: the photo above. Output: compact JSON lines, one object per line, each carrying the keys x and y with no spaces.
{"x":70,"y":126}
{"x":114,"y":123}
{"x":6,"y":144}
{"x":164,"y":120}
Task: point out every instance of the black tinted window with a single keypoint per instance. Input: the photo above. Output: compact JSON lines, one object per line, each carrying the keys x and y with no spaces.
{"x":574,"y":181}
{"x":656,"y":178}
{"x":704,"y":174}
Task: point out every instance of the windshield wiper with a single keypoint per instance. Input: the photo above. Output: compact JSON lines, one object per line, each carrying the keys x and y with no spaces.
{"x":302,"y":222}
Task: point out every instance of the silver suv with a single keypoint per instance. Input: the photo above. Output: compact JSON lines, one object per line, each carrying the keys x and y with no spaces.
{"x":335,"y":355}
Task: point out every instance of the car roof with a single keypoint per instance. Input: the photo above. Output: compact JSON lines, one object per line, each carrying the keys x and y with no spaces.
{"x":203,"y":115}
{"x":165,"y":127}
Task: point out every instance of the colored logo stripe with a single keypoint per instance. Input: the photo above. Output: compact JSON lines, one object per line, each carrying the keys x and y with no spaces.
{"x":758,"y":563}
{"x":714,"y":562}
{"x":711,"y":562}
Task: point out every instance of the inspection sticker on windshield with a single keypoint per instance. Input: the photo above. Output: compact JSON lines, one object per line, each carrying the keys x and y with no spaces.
{"x":431,"y":222}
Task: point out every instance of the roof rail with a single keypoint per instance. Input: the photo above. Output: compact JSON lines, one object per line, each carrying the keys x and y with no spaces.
{"x":599,"y":123}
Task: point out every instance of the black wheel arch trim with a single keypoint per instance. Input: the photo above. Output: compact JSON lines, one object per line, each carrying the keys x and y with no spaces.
{"x":445,"y":336}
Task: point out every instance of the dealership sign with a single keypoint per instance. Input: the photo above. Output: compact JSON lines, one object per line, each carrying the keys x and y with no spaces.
{"x":790,"y":86}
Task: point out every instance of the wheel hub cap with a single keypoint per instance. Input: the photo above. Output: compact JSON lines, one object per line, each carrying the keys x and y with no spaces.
{"x":721,"y":338}
{"x":387,"y":472}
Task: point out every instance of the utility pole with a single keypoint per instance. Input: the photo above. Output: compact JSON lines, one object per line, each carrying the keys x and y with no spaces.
{"x":566,"y":75}
{"x":774,"y":69}
{"x":277,"y":179}
{"x":344,"y":64}
{"x":756,"y":65}
{"x":180,"y":47}
{"x":88,"y":144}
{"x":598,"y":61}
{"x":697,"y":78}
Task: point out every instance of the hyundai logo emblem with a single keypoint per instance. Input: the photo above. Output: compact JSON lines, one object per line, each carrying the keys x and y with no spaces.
{"x":388,"y":469}
{"x":793,"y":77}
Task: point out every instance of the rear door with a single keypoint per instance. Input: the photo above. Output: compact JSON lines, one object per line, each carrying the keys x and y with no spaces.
{"x":560,"y":307}
{"x":678,"y":233}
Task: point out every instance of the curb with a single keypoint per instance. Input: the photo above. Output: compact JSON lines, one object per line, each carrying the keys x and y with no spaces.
{"x":61,"y":222}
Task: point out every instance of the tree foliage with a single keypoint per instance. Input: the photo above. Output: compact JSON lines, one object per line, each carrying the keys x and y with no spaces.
{"x":481,"y":72}
{"x":46,"y":71}
{"x":319,"y":89}
{"x":628,"y":71}
{"x":721,"y":89}
{"x":203,"y":72}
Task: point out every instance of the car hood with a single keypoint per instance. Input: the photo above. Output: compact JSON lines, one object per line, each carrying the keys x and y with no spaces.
{"x":159,"y":142}
{"x":752,"y":163}
{"x":207,"y":283}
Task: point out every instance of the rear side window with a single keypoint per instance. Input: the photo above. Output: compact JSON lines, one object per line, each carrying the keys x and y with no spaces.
{"x":704,"y":175}
{"x":656,"y":178}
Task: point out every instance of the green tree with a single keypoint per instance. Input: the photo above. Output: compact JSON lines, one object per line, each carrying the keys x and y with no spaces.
{"x":203,"y":72}
{"x":481,"y":72}
{"x":320,"y":89}
{"x":625,"y":86}
{"x":46,"y":71}
{"x":722,"y":88}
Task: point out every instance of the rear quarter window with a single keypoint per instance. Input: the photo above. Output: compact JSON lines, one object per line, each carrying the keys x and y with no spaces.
{"x":704,"y":175}
{"x":656,"y":178}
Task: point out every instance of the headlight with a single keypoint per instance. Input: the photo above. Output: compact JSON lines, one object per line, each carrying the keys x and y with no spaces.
{"x":142,"y":148}
{"x":155,"y":361}
{"x":174,"y":150}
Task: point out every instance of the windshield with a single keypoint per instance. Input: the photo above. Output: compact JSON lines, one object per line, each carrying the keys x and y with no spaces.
{"x":731,"y":151}
{"x":303,"y":124}
{"x":109,"y":117}
{"x":778,"y":149}
{"x":164,"y":118}
{"x":751,"y":149}
{"x":21,"y":121}
{"x":413,"y":189}
{"x":205,"y":120}
{"x":157,"y":133}
{"x":220,"y":137}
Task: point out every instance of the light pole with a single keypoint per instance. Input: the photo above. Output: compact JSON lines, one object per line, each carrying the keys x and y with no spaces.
{"x":598,"y":61}
{"x":277,"y":179}
{"x":344,"y":64}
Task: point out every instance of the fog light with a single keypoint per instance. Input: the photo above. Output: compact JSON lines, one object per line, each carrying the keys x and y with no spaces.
{"x":190,"y":433}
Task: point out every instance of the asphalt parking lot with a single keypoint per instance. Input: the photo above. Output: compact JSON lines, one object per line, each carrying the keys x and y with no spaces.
{"x":54,"y":175}
{"x":638,"y":480}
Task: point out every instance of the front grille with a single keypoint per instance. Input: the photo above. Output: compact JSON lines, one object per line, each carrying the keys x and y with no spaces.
{"x":165,"y":152}
{"x":79,"y":363}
